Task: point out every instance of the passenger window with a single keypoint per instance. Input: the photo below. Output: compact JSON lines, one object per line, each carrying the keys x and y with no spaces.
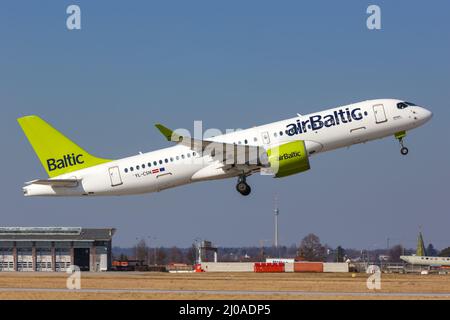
{"x":171,"y":159}
{"x":131,"y":169}
{"x":275,"y":134}
{"x":188,"y":155}
{"x":137,"y":167}
{"x":177,"y":157}
{"x":143,"y":166}
{"x":281,"y":133}
{"x":149,"y":164}
{"x":255,"y":139}
{"x":245,"y":141}
{"x":126,"y":170}
{"x":166,"y":160}
{"x":160,"y":161}
{"x":182,"y":156}
{"x":193,"y":153}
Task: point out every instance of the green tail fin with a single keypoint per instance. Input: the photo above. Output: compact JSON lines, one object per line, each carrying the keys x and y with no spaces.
{"x":58,"y":154}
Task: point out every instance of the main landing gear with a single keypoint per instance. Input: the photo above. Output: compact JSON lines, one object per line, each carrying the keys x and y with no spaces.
{"x":399,"y":136}
{"x":242,"y":187}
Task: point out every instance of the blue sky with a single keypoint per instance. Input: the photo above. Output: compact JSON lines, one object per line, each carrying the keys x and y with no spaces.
{"x":231,"y":64}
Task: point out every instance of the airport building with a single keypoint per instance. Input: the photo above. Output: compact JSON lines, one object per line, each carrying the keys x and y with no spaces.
{"x":55,"y":248}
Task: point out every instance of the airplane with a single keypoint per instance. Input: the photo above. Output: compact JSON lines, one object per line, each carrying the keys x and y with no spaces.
{"x":280,"y":149}
{"x":427,"y":261}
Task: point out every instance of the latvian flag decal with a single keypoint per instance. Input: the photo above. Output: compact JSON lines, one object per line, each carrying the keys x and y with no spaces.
{"x":158,"y":170}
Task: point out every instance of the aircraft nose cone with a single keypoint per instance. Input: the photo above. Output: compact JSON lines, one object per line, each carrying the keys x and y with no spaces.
{"x":427,"y":114}
{"x":422,"y":115}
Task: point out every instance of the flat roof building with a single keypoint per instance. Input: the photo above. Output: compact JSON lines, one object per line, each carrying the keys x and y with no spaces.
{"x":55,"y":248}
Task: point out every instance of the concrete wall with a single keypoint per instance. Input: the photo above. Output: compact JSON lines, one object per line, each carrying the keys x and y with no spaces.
{"x":289,"y":267}
{"x":335,"y":267}
{"x":228,"y":266}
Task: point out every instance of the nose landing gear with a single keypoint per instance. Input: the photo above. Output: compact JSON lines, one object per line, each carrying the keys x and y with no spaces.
{"x":242,"y":187}
{"x":399,"y":136}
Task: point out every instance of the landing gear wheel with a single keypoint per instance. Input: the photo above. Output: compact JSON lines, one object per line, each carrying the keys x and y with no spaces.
{"x":243,"y":188}
{"x":404,"y":151}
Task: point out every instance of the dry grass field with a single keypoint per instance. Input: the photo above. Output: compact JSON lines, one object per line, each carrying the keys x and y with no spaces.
{"x":222,"y":286}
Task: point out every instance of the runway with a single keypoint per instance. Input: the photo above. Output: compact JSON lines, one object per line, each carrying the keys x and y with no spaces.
{"x":237,"y":292}
{"x":229,"y":286}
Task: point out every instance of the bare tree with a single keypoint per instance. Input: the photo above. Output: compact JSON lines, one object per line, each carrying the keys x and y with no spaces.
{"x":123,"y":257}
{"x":431,"y":251}
{"x":445,"y":252}
{"x":191,"y":255}
{"x":395,"y":252}
{"x":175,"y":255}
{"x":311,"y":249}
{"x":340,"y":254}
{"x":161,"y":256}
{"x":141,"y":250}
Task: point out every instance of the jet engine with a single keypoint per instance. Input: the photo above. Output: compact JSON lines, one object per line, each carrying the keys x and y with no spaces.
{"x":288,"y":159}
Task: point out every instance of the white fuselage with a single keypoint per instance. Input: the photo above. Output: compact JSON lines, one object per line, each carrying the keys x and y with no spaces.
{"x":179,"y":165}
{"x":427,"y":261}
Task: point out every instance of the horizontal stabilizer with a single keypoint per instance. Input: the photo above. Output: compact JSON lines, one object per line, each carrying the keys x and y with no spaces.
{"x":67,"y":183}
{"x":168,"y":133}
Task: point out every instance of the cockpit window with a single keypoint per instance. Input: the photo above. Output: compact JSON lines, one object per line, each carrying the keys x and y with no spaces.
{"x":405,"y":104}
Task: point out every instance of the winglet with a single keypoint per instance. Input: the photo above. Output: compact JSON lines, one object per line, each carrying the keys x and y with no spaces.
{"x":169,"y":134}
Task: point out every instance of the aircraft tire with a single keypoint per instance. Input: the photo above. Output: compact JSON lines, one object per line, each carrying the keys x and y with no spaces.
{"x":404,"y":151}
{"x":243,"y":188}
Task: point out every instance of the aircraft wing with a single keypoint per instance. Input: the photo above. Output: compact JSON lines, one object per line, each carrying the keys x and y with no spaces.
{"x":68,"y":183}
{"x":227,"y":153}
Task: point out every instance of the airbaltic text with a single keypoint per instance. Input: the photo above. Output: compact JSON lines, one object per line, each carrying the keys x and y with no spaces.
{"x":317,"y":122}
{"x":68,"y":160}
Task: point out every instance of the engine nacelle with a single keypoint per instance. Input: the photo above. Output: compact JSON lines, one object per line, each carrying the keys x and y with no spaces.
{"x":288,"y":159}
